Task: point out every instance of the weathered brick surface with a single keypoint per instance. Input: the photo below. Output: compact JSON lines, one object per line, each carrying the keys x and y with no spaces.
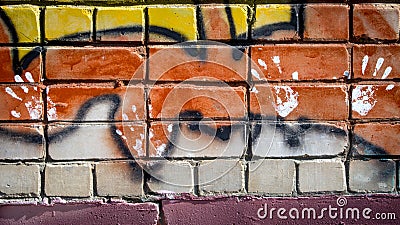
{"x":318,"y":23}
{"x":170,"y":176}
{"x":69,"y":180}
{"x":300,"y":62}
{"x":96,"y":141}
{"x":16,"y":144}
{"x":29,"y":74}
{"x":378,"y":62}
{"x":375,"y":101}
{"x":372,"y":176}
{"x":321,"y":175}
{"x":19,"y":180}
{"x":272,"y":176}
{"x":68,"y":23}
{"x":120,"y":24}
{"x":111,"y":63}
{"x":221,"y":176}
{"x":218,"y":26}
{"x":205,"y":63}
{"x":384,"y":136}
{"x":170,"y":101}
{"x":376,"y":21}
{"x":83,"y":212}
{"x":119,"y":179}
{"x":294,"y":101}
{"x":102,"y":102}
{"x":197,"y":139}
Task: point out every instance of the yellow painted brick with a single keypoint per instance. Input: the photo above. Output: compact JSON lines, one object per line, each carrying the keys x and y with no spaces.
{"x":25,"y":20}
{"x":70,"y":21}
{"x":128,"y":20}
{"x":180,"y":19}
{"x":271,"y":14}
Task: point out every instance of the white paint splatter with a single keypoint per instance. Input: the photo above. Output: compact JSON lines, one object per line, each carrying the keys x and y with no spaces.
{"x":151,"y":134}
{"x":119,"y":132}
{"x":15,"y":114}
{"x":277,"y":62}
{"x":132,"y":129}
{"x":150,"y":110}
{"x":363,"y":99}
{"x":134,"y":108}
{"x":29,"y":77}
{"x":142,"y":136}
{"x":262,"y":63}
{"x":378,"y":66}
{"x":169,"y":128}
{"x":255,"y":73}
{"x":124,"y":116}
{"x":12,"y":93}
{"x":346,"y":74}
{"x":19,"y":79}
{"x":52,"y":111}
{"x":364,"y":64}
{"x":389,"y":87}
{"x":34,"y":108}
{"x":334,"y":78}
{"x":284,"y":108}
{"x":161,"y":149}
{"x":138,"y":147}
{"x":295,"y":75}
{"x":254,"y":90}
{"x":387,"y":72}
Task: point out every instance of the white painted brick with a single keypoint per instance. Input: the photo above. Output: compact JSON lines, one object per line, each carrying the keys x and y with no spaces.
{"x":372,"y":176}
{"x":274,"y":176}
{"x":119,"y":179}
{"x":19,"y":180}
{"x":73,"y":180}
{"x":322,"y":175}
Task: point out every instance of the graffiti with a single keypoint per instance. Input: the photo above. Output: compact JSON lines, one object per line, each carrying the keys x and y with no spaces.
{"x":292,"y":138}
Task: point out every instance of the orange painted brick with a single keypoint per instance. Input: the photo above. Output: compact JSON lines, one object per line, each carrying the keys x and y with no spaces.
{"x":376,"y":21}
{"x":300,"y":62}
{"x":81,"y":102}
{"x":376,"y":101}
{"x":189,"y":101}
{"x":90,"y":63}
{"x":21,"y":102}
{"x":376,"y":61}
{"x":205,"y":64}
{"x":319,"y":25}
{"x":218,"y":26}
{"x":385,"y":139}
{"x":327,"y":102}
{"x":28,"y":68}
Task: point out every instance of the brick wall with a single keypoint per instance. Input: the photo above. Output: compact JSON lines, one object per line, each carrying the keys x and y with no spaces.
{"x":161,"y":109}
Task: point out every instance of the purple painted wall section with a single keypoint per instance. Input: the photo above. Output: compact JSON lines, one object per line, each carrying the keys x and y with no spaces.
{"x":80,"y":213}
{"x":313,"y":210}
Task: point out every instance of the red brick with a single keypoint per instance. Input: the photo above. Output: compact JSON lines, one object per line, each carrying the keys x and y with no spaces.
{"x":311,"y":62}
{"x":33,"y":69}
{"x":318,"y":23}
{"x":168,"y":101}
{"x":384,"y":136}
{"x":21,"y":102}
{"x":376,"y":101}
{"x":221,"y":63}
{"x":92,"y":63}
{"x":235,"y":210}
{"x":389,"y":55}
{"x":78,"y":212}
{"x":376,"y":21}
{"x":75,"y":101}
{"x":327,"y":102}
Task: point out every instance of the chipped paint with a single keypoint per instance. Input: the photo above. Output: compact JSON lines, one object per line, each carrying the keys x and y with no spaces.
{"x":254,"y":90}
{"x":138,"y":147}
{"x":12,"y":93}
{"x":378,"y":66}
{"x":15,"y":114}
{"x":134,"y":108}
{"x":255,"y":73}
{"x":295,"y":75}
{"x":169,"y":128}
{"x":389,"y":87}
{"x":277,"y":62}
{"x":161,"y":149}
{"x":363,"y":99}
{"x":364,"y":64}
{"x":289,"y":103}
{"x":262,"y":63}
